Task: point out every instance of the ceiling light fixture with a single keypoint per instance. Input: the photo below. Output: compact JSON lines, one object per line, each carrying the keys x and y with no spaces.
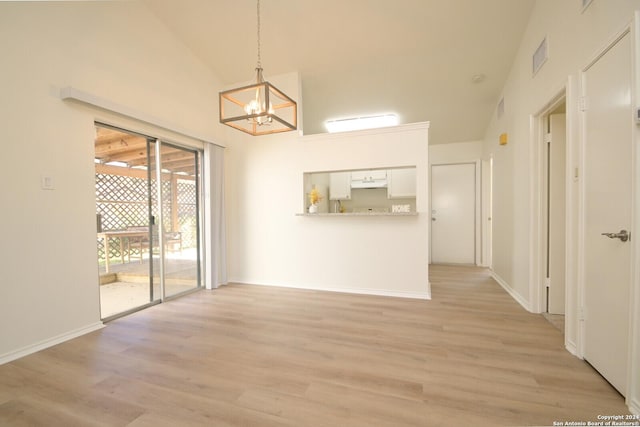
{"x":360,"y":123}
{"x":259,"y":108}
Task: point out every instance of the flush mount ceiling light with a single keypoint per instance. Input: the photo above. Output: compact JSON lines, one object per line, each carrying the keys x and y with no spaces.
{"x":360,"y":123}
{"x":259,"y":108}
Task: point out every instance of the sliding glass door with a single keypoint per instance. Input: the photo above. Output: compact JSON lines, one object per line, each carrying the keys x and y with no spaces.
{"x":177,"y":210}
{"x":123,"y":220}
{"x":148,"y":220}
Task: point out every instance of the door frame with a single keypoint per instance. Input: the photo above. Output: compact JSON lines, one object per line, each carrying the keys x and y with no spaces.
{"x":486,"y":212}
{"x":633,"y":368}
{"x":556,"y":182}
{"x":538,"y":225}
{"x":633,"y":392}
{"x":477,"y":227}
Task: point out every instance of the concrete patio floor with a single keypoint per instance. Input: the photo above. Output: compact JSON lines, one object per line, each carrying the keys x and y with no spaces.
{"x":126,"y":286}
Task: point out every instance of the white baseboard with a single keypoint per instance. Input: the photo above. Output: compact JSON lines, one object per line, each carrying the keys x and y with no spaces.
{"x":634,"y":407}
{"x":379,"y":292}
{"x":30,"y":349}
{"x":571,"y":348}
{"x":515,"y":295}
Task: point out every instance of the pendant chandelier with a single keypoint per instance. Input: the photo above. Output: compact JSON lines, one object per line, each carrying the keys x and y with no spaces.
{"x":259,"y":108}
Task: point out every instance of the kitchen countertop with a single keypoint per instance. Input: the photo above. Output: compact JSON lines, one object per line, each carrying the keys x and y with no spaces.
{"x":361,"y":214}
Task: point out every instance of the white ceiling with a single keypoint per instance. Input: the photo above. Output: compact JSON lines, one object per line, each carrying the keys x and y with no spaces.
{"x":359,"y":57}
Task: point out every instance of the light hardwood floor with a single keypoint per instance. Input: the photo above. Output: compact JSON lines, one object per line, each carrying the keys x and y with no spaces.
{"x":263,"y":356}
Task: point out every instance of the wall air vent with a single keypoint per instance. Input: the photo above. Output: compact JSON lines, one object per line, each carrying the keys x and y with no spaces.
{"x":540,"y":56}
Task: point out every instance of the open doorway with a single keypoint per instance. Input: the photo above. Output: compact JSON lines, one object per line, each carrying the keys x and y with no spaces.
{"x":552,"y":180}
{"x":148,"y":220}
{"x":555,"y":245}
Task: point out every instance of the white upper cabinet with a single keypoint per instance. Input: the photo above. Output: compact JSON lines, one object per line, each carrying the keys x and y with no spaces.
{"x":369,"y":175}
{"x":402,"y":183}
{"x":340,"y":186}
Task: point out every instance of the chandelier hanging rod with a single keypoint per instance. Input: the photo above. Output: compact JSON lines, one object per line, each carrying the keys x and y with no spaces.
{"x":259,"y":64}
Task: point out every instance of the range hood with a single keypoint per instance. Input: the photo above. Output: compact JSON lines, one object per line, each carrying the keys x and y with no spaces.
{"x":376,"y":183}
{"x":377,"y":179}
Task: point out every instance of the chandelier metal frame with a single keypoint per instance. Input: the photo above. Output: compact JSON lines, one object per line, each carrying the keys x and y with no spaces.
{"x":259,"y":108}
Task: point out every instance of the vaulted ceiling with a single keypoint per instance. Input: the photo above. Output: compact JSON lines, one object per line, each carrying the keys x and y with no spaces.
{"x":415,"y":58}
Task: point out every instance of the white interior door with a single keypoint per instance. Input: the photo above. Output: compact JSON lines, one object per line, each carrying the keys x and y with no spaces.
{"x":557,"y":213}
{"x":453,"y":213}
{"x":608,"y":182}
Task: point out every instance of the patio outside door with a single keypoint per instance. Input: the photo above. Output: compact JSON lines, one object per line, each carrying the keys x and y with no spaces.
{"x":175,"y":208}
{"x":123,"y":195}
{"x":148,"y":220}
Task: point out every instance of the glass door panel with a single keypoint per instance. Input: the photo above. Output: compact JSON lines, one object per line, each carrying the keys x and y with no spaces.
{"x":180,"y":219}
{"x":155,"y":197}
{"x":122,"y":213}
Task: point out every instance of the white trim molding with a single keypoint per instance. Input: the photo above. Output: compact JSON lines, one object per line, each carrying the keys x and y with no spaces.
{"x":537,"y":225}
{"x":72,"y":94}
{"x":571,"y":347}
{"x":515,"y":295}
{"x":49,"y":342}
{"x":633,"y":395}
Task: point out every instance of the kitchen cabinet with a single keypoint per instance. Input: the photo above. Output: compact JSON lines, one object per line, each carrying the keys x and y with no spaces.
{"x":401,"y":183}
{"x":369,"y":175}
{"x":340,"y":186}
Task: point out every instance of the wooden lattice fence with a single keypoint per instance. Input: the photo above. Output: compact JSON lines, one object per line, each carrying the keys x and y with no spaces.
{"x":123,"y":201}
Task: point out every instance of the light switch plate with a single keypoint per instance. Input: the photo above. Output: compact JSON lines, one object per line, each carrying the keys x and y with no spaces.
{"x":46,"y":182}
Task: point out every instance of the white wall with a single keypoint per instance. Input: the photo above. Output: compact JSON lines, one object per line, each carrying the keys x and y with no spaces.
{"x":269,"y":244}
{"x":457,"y":152}
{"x":574,"y":38}
{"x":115,"y":50}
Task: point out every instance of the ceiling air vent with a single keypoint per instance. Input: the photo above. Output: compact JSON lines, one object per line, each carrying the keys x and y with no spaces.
{"x":540,"y":56}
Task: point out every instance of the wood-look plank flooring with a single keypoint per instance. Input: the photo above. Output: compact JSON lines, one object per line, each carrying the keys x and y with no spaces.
{"x":263,"y":356}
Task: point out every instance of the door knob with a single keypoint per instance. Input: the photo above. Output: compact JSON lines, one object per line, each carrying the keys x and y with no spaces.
{"x":623,"y":235}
